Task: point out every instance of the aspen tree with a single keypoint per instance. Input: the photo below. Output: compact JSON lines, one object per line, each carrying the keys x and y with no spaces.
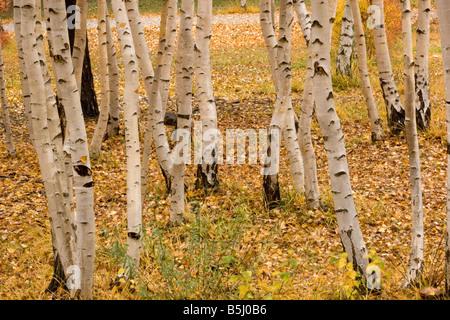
{"x":183,"y":92}
{"x":394,"y":107}
{"x":208,"y":169}
{"x":415,"y":266}
{"x":102,"y":123}
{"x":79,"y":43}
{"x":59,"y":212}
{"x":132,"y":146}
{"x":345,"y":50}
{"x":5,"y":110}
{"x":443,"y":11}
{"x":23,"y":76}
{"x":422,"y":82}
{"x":283,"y":118}
{"x":312,"y":193}
{"x":69,"y":99}
{"x":113,"y":72}
{"x":375,"y":120}
{"x":304,"y":19}
{"x":159,"y":96}
{"x":330,"y":126}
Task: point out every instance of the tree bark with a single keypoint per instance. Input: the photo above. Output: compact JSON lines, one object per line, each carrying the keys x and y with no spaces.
{"x":375,"y":120}
{"x":422,"y":82}
{"x":126,"y":24}
{"x":394,"y":107}
{"x":207,"y":170}
{"x":69,"y":98}
{"x":345,"y":50}
{"x":443,"y":11}
{"x":102,"y":123}
{"x":415,"y":266}
{"x":113,"y":71}
{"x":304,"y":19}
{"x":349,"y":230}
{"x":88,"y":96}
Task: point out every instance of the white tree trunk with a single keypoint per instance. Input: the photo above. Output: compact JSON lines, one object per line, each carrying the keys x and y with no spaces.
{"x":23,"y":76}
{"x":131,"y":106}
{"x":183,"y":92}
{"x":415,"y":266}
{"x":113,"y":71}
{"x":79,"y":42}
{"x":70,"y":99}
{"x":375,"y":120}
{"x":422,"y":82}
{"x":5,"y":110}
{"x":59,"y":211}
{"x":394,"y":108}
{"x":102,"y":122}
{"x":443,"y":11}
{"x":345,"y":50}
{"x":349,"y":230}
{"x":208,"y":169}
{"x":304,"y":19}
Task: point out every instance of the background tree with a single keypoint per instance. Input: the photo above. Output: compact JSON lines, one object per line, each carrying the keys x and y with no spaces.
{"x":88,"y":96}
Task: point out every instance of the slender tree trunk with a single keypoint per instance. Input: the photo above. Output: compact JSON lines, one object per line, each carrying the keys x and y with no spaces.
{"x":349,"y":230}
{"x":422,"y":82}
{"x":394,"y":109}
{"x":113,"y":71}
{"x":375,"y":120}
{"x":158,"y":98}
{"x":79,"y":43}
{"x":415,"y":266}
{"x":304,"y":19}
{"x":183,"y":92}
{"x":5,"y":110}
{"x":23,"y":75}
{"x":70,"y":100}
{"x":345,"y":50}
{"x":102,"y":123}
{"x":88,"y":96}
{"x":207,"y":170}
{"x":59,"y":212}
{"x":131,"y":106}
{"x":443,"y":11}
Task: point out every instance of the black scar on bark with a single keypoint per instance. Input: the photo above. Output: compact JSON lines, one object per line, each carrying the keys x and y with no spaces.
{"x":59,"y":277}
{"x":271,"y":191}
{"x":82,"y":170}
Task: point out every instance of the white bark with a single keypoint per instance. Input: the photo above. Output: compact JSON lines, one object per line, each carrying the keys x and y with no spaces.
{"x":168,"y":28}
{"x":349,"y":230}
{"x":304,"y":19}
{"x":59,"y":212}
{"x":207,"y":170}
{"x":183,"y":93}
{"x":102,"y":122}
{"x":79,"y":42}
{"x":415,"y":266}
{"x":283,"y":118}
{"x":5,"y":110}
{"x":422,"y":82}
{"x":345,"y":50}
{"x":113,"y":71}
{"x":126,"y":31}
{"x":443,"y":11}
{"x":70,"y":99}
{"x":394,"y":107}
{"x":375,"y":120}
{"x":23,"y":76}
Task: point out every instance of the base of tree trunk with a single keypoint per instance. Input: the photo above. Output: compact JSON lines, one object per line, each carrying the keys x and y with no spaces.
{"x":396,"y":122}
{"x":59,"y":277}
{"x":271,"y":191}
{"x":423,"y":122}
{"x":202,"y":178}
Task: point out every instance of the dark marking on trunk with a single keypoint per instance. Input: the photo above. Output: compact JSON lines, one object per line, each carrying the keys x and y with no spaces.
{"x":82,"y":170}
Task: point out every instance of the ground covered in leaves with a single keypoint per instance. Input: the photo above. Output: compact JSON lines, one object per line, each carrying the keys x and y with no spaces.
{"x":231,"y":247}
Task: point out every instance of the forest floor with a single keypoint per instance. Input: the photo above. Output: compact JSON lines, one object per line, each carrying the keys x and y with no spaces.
{"x":231,"y":247}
